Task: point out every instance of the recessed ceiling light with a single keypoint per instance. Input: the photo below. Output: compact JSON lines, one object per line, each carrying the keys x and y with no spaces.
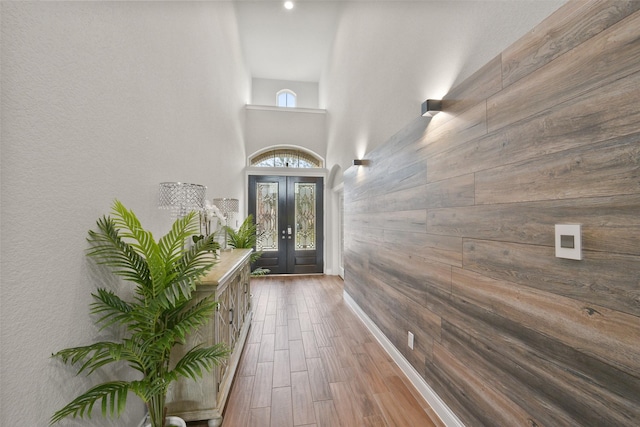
{"x":288,"y":5}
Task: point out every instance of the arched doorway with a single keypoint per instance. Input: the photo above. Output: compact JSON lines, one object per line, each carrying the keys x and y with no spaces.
{"x":286,"y":198}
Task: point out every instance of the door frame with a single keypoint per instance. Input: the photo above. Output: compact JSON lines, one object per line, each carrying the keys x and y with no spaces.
{"x":310,"y":172}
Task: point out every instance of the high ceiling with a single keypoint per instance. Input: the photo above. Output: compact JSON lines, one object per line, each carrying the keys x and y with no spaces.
{"x":295,"y":44}
{"x":287,"y":44}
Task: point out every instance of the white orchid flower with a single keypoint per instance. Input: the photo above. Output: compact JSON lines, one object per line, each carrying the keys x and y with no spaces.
{"x":218,"y":213}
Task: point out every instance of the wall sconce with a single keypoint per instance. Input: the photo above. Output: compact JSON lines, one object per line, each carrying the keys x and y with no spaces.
{"x":431,"y":107}
{"x":358,"y":162}
{"x":181,"y":197}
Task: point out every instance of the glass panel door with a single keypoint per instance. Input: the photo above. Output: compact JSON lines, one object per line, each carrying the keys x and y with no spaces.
{"x":288,"y":213}
{"x":267,"y":203}
{"x":266,"y":216}
{"x":305,"y":214}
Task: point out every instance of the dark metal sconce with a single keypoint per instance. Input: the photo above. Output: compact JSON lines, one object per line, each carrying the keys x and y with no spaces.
{"x":431,"y":107}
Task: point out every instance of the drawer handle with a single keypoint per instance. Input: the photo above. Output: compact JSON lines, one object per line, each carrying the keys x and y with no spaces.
{"x":231,"y":316}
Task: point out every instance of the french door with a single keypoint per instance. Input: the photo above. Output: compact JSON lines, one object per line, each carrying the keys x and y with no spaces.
{"x":288,"y":213}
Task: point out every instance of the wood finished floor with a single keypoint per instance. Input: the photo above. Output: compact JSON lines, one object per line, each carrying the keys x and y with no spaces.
{"x":309,"y":361}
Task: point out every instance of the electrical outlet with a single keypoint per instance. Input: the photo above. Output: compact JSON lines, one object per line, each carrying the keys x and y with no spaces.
{"x":410,"y":340}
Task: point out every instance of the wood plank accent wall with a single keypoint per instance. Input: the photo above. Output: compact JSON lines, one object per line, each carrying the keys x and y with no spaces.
{"x":449,"y":231}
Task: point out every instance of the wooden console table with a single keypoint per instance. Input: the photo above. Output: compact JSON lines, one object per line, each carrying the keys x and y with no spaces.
{"x":229,"y":280}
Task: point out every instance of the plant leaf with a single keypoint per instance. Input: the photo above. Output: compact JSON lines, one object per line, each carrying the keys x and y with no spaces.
{"x":113,"y":396}
{"x":200,"y":359}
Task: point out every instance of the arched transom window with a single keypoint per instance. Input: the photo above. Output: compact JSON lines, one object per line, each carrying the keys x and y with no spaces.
{"x":285,"y":158}
{"x":286,"y":98}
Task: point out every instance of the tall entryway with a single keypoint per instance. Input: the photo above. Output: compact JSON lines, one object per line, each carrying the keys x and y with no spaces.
{"x":288,"y":211}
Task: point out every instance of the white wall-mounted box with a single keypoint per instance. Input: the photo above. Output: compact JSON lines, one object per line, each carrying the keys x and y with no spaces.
{"x":568,"y":241}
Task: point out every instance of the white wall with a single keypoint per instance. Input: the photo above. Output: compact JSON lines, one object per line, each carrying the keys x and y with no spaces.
{"x":376,"y":80}
{"x":264,"y":91}
{"x":266,"y":127}
{"x":100,"y":100}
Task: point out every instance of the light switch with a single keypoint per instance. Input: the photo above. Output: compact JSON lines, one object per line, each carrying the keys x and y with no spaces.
{"x":568,"y":241}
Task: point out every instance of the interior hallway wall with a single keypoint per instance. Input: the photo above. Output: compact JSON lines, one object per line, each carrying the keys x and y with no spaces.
{"x":449,"y":230}
{"x":263,"y":92}
{"x":100,"y":100}
{"x":273,"y":126}
{"x":378,"y":74}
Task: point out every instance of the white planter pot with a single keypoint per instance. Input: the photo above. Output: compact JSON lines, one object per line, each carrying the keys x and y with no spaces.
{"x":172,"y":421}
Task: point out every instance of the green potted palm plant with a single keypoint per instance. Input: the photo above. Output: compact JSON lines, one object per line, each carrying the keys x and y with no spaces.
{"x":158,"y":316}
{"x":246,"y":237}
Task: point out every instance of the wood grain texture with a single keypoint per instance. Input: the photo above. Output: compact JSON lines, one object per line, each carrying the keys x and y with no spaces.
{"x":517,"y":330}
{"x":445,"y":249}
{"x":281,"y":369}
{"x":267,"y":348}
{"x":561,"y":33}
{"x":457,"y":191}
{"x":452,"y":132}
{"x":534,"y":266}
{"x":261,"y":393}
{"x":608,"y":112}
{"x":474,"y":90}
{"x":337,"y":387}
{"x":576,"y":72}
{"x":296,"y":356}
{"x":512,"y":403}
{"x":258,"y":417}
{"x":281,"y":407}
{"x":413,"y":198}
{"x":507,"y":334}
{"x":303,"y":410}
{"x":610,"y":224}
{"x":240,"y":401}
{"x":326,"y":414}
{"x":598,"y":170}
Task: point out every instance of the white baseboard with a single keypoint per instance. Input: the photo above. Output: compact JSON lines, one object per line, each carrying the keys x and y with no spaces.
{"x":440,"y":408}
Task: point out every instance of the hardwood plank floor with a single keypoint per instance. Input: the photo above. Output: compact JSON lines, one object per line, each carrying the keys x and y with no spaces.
{"x":309,"y":361}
